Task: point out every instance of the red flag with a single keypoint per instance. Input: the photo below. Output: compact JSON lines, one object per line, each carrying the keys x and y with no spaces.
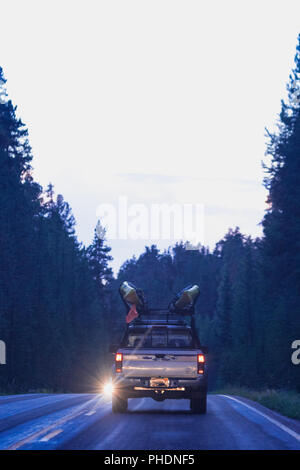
{"x":132,"y":314}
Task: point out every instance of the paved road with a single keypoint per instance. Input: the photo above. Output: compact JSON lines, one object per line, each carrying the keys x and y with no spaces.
{"x":85,"y":421}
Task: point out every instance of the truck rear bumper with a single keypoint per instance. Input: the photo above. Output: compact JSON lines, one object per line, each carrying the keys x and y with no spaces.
{"x":178,"y":388}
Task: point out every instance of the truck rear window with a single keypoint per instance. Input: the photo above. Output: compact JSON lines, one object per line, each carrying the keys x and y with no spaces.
{"x":159,"y":338}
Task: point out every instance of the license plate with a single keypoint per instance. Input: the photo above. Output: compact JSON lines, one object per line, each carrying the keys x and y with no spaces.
{"x":159,"y":382}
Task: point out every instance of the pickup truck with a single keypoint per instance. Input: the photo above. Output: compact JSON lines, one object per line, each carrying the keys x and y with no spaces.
{"x":160,"y":358}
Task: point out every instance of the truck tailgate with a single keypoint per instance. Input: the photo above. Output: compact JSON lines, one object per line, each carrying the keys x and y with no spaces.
{"x":167,"y":363}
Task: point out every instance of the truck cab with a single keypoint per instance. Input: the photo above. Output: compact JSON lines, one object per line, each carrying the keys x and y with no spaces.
{"x":160,"y":356}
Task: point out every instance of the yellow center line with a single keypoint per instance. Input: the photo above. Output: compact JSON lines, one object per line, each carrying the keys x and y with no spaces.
{"x":52,"y":434}
{"x":60,"y":422}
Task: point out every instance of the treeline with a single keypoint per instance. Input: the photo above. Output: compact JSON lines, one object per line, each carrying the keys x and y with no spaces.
{"x":236,"y":316}
{"x":54,"y":293}
{"x":249,"y":309}
{"x":59,"y":303}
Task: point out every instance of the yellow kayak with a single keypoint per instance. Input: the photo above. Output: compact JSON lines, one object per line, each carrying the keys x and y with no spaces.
{"x":187,"y":297}
{"x":129,"y":294}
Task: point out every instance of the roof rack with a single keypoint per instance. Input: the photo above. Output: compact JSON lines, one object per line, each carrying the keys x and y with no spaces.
{"x":159,"y":316}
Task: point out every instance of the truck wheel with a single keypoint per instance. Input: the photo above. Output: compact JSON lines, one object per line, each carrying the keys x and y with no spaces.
{"x":198,"y":404}
{"x":119,"y":404}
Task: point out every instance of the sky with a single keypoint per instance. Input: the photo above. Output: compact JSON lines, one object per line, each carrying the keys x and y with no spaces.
{"x":142,"y":103}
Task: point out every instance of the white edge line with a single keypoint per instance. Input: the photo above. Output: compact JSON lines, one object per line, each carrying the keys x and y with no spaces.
{"x":274,"y":421}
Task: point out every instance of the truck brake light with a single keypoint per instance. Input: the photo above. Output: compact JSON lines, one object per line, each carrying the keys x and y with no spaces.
{"x":200,"y":358}
{"x":119,"y":362}
{"x":200,"y":363}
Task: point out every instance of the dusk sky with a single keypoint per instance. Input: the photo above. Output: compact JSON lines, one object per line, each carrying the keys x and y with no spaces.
{"x":155,"y":101}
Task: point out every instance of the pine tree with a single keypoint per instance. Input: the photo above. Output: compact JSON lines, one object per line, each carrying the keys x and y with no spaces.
{"x":51,"y":292}
{"x":98,"y":255}
{"x":18,"y":211}
{"x":245,"y":323}
{"x":281,"y":243}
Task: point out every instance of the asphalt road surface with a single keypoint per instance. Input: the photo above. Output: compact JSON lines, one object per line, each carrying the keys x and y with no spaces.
{"x":73,"y":421}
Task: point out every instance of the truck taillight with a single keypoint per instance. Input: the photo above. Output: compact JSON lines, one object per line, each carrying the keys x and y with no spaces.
{"x":201,"y":358}
{"x":200,"y":363}
{"x":119,"y":362}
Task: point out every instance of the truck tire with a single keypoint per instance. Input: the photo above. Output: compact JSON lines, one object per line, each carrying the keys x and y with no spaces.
{"x":119,"y":404}
{"x":198,"y":404}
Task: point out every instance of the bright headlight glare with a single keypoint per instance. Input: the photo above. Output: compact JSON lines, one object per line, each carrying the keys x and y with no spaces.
{"x":108,"y":389}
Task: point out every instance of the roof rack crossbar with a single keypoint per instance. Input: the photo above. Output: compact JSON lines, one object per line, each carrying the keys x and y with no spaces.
{"x":162,"y":311}
{"x":160,"y":316}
